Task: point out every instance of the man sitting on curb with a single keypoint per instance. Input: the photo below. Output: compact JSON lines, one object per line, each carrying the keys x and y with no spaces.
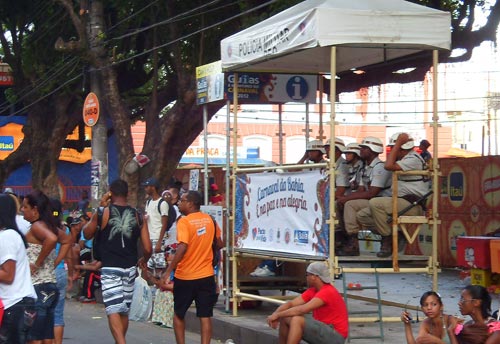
{"x":328,"y":322}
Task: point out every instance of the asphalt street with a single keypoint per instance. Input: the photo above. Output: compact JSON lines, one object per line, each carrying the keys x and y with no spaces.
{"x":87,"y":323}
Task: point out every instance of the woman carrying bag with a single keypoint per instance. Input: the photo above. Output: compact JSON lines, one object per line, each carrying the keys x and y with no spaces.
{"x":16,"y":290}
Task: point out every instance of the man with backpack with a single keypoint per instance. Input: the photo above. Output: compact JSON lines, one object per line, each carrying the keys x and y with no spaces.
{"x":117,"y":228}
{"x":156,"y":214}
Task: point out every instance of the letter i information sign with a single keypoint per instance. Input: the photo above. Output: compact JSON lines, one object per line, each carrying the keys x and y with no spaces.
{"x":91,"y":109}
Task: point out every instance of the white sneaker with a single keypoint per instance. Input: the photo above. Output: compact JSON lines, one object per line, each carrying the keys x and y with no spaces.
{"x":264,"y":272}
{"x":256,"y":271}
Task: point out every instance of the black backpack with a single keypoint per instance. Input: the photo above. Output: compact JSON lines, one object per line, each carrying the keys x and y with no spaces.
{"x":172,"y":214}
{"x":97,"y":242}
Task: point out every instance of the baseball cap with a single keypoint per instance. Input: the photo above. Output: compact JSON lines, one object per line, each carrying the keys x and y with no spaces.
{"x":75,"y":221}
{"x":321,"y":270}
{"x":151,"y":182}
{"x":214,"y":187}
{"x":8,"y":190}
{"x":425,"y":143}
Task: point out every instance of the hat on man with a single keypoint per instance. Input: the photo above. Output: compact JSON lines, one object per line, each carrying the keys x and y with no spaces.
{"x":151,"y":182}
{"x":424,"y":143}
{"x":214,"y":187}
{"x":408,"y":145}
{"x":316,"y":145}
{"x":8,"y":191}
{"x":374,"y":143}
{"x":75,"y":221}
{"x":352,"y":148}
{"x":321,"y":270}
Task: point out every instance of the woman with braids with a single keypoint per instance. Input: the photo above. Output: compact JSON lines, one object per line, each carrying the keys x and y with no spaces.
{"x":475,"y":301}
{"x":16,"y":290}
{"x":434,"y":327}
{"x":42,"y":238}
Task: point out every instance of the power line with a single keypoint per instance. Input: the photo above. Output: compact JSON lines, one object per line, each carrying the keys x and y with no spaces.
{"x":190,"y":34}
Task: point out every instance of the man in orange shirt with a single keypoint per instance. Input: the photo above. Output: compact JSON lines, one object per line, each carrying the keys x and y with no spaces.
{"x":194,"y":273}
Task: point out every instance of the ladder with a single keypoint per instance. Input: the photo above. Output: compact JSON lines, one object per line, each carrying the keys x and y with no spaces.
{"x":376,"y":313}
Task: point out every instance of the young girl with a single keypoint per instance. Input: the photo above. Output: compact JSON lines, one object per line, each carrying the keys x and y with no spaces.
{"x":433,"y":328}
{"x":475,"y":301}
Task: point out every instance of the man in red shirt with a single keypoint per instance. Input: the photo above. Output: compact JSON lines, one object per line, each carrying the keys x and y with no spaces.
{"x":329,"y":320}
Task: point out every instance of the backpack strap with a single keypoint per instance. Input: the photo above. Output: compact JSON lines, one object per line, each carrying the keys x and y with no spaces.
{"x":100,"y":212}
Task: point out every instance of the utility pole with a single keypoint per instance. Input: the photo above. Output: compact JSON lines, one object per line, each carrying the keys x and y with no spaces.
{"x":99,"y":165}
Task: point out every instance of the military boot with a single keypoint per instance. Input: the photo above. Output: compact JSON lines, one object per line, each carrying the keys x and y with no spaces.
{"x":351,"y":247}
{"x":385,"y":247}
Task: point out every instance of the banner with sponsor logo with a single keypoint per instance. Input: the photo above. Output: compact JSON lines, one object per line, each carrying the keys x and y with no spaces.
{"x":281,"y":212}
{"x":263,"y":88}
{"x":11,"y":136}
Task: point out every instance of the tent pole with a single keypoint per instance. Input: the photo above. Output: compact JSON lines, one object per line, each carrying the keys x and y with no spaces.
{"x":307,"y":124}
{"x":435,"y":168}
{"x":332,"y":218}
{"x":228,"y":203}
{"x":235,"y":288}
{"x":205,"y":155}
{"x":320,"y":131}
{"x":280,"y":132}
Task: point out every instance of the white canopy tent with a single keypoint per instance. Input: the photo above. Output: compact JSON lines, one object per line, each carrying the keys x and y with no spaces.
{"x":365,"y":32}
{"x":335,"y":36}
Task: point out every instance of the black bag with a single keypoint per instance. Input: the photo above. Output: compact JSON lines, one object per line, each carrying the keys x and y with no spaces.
{"x":97,"y":241}
{"x":172,"y":214}
{"x":215,"y":246}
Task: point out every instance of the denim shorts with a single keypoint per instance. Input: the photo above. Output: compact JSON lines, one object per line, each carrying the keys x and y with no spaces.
{"x":62,"y":284}
{"x":17,"y":321}
{"x":43,"y":327}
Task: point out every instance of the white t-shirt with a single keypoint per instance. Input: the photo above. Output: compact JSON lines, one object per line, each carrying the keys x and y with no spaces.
{"x":154,"y":217}
{"x":172,"y":232}
{"x":12,"y":248}
{"x":23,"y":225}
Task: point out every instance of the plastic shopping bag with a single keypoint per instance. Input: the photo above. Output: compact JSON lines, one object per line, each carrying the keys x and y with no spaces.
{"x":142,"y":300}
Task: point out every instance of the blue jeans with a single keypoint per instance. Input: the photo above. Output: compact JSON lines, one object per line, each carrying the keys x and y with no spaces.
{"x":43,"y":327}
{"x":17,"y":321}
{"x":62,"y":284}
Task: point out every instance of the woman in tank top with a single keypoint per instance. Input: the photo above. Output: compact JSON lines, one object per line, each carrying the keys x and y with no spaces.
{"x":434,"y":327}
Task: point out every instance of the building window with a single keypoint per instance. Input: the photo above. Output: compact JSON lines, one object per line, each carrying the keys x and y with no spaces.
{"x":264,"y":143}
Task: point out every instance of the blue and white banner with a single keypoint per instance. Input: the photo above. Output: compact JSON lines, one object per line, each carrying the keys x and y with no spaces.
{"x":282,"y":212}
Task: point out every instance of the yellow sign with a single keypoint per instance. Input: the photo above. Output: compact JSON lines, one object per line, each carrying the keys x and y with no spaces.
{"x":11,"y":136}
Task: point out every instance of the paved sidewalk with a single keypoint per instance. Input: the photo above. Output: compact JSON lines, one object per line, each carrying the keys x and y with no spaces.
{"x":250,"y":326}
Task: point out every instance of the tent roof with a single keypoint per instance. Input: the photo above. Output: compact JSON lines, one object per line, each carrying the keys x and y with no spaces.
{"x":366,"y":32}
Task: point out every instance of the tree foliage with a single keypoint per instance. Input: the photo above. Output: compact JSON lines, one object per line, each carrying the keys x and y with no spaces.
{"x":145,"y":55}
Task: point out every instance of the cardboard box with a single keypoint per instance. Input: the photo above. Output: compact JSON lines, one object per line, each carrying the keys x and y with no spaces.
{"x":495,"y":255}
{"x":480,"y":277}
{"x":474,"y":252}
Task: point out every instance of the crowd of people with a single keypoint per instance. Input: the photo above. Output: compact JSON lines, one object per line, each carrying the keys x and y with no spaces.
{"x":41,"y":255}
{"x":319,"y":315}
{"x":363,"y":186}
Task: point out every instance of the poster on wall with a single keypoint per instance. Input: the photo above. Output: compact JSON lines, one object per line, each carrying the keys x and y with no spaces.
{"x":194,"y":176}
{"x":216,"y":212}
{"x":282,"y":212}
